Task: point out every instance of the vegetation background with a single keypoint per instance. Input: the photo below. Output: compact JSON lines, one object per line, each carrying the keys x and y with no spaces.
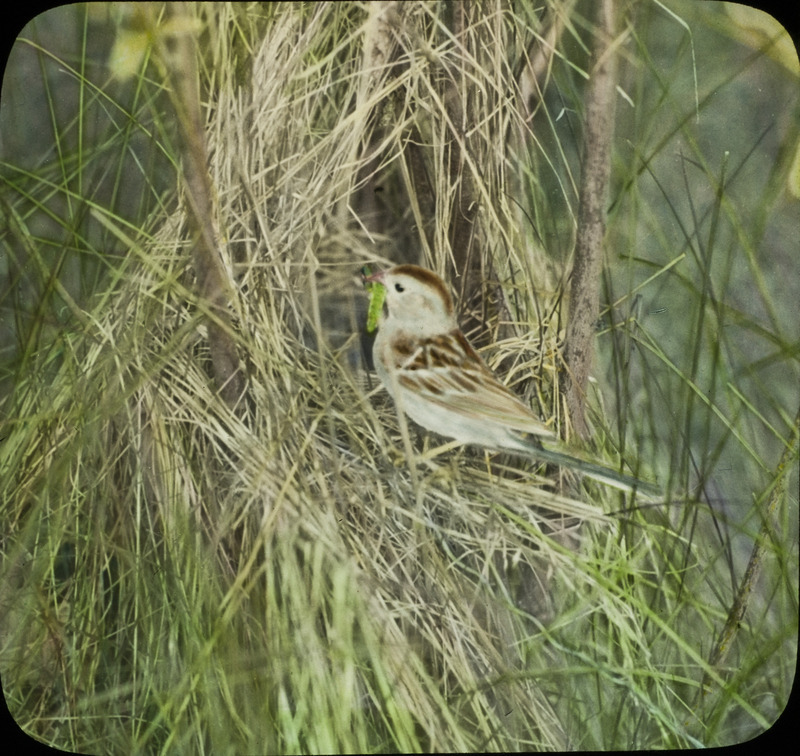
{"x":184,"y":568}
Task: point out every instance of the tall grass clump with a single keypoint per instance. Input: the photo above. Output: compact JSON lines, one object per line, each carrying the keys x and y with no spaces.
{"x":214,"y":539}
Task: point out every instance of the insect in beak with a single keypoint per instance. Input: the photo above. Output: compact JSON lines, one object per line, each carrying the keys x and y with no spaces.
{"x":377,"y":294}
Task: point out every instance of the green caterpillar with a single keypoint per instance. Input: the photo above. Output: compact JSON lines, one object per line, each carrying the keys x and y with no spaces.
{"x":377,"y":293}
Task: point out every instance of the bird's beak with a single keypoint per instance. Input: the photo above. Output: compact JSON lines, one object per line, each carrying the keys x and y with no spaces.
{"x":374,"y":277}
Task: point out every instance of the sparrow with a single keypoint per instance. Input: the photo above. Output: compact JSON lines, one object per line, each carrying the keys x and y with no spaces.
{"x":436,"y":377}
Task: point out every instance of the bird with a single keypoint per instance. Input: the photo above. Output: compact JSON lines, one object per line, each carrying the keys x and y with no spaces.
{"x":437,"y":378}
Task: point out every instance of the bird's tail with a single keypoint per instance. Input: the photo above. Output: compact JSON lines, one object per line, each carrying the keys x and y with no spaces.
{"x":595,"y":471}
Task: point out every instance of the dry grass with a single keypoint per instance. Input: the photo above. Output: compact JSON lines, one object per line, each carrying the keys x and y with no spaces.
{"x":181,"y":576}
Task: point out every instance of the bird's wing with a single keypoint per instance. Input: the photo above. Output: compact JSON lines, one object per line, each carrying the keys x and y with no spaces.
{"x":449,"y":373}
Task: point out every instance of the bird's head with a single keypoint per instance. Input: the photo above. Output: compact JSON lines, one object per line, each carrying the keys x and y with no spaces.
{"x":417,"y":301}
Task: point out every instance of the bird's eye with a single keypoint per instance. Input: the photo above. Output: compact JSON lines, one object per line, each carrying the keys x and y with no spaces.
{"x":399,"y":287}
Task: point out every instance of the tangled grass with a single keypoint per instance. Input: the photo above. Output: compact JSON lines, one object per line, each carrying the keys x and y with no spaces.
{"x":277,"y":576}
